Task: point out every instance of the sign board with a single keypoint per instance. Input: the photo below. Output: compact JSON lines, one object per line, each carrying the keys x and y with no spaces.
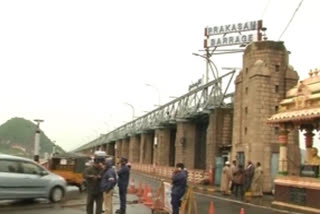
{"x":167,"y":196}
{"x":232,"y":34}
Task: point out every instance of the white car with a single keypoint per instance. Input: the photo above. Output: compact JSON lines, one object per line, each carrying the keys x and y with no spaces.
{"x":22,"y":178}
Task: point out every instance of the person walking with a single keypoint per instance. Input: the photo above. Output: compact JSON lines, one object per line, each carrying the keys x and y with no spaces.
{"x":92,"y":175}
{"x":108,"y":182}
{"x":238,"y":180}
{"x":123,"y":181}
{"x":257,"y":181}
{"x":226,"y":179}
{"x":179,"y":184}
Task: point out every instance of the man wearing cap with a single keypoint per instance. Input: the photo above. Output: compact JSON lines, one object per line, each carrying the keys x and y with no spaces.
{"x":226,"y":177}
{"x":93,"y":178}
{"x":123,"y":181}
{"x":108,"y":182}
{"x":179,"y":184}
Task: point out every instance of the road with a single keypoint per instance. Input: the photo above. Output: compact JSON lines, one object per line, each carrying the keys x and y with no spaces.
{"x":74,"y":203}
{"x":222,"y":205}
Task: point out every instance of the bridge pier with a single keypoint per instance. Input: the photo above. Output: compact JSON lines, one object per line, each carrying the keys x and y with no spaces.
{"x":134,"y":148}
{"x":146,"y":148}
{"x":185,"y":143}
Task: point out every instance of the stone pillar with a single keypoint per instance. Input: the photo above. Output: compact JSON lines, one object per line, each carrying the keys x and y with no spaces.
{"x":309,"y":143}
{"x":162,"y":149}
{"x":118,"y":148}
{"x":146,"y":156}
{"x":134,"y":149}
{"x":283,"y":160}
{"x":125,"y":148}
{"x":185,"y":143}
{"x":110,"y":149}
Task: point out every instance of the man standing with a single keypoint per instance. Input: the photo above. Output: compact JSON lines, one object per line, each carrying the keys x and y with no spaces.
{"x":249,"y":172}
{"x":179,"y":184}
{"x":93,"y":178}
{"x":238,"y":180}
{"x":226,"y":179}
{"x":108,"y":182}
{"x":257,"y":181}
{"x":233,"y":171}
{"x":123,"y":181}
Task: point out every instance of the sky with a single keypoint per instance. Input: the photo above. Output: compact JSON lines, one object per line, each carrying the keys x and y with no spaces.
{"x":75,"y":64}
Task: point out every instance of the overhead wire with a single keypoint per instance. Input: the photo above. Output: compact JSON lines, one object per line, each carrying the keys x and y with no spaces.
{"x":291,"y":19}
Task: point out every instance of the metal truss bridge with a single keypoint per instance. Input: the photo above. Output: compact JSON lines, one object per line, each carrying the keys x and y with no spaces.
{"x":196,"y":102}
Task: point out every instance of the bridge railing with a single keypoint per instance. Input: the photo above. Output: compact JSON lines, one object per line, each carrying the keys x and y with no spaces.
{"x":196,"y":102}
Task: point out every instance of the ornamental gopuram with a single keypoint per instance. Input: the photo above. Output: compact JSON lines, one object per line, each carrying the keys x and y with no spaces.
{"x":299,"y":110}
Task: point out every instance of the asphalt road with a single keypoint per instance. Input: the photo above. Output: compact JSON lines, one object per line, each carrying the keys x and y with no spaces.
{"x":74,"y":203}
{"x":222,"y":205}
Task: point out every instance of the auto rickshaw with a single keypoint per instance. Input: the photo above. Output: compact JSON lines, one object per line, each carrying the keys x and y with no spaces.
{"x":71,"y":167}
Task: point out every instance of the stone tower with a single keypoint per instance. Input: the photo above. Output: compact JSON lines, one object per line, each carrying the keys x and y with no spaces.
{"x":260,"y":86}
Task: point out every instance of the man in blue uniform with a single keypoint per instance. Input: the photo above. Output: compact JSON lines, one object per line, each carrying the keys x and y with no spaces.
{"x":123,"y":181}
{"x":179,"y":184}
{"x":108,"y":182}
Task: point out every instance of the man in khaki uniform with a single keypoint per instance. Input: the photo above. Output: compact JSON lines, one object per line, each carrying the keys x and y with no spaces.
{"x":108,"y":182}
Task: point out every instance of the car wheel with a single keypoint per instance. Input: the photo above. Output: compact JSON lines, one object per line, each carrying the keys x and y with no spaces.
{"x":56,"y":194}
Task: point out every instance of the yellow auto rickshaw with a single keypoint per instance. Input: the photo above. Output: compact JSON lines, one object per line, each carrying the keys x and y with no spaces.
{"x":71,"y":167}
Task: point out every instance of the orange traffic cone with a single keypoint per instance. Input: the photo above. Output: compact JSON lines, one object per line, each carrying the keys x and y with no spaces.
{"x":145,"y":193}
{"x":242,"y":211}
{"x":143,"y":196}
{"x":132,"y":188}
{"x":148,"y":201}
{"x":211,"y":208}
{"x":140,"y":190}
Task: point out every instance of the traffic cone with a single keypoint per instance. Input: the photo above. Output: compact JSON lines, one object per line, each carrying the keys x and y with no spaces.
{"x":132,"y":189}
{"x":148,"y":201}
{"x":145,"y":193}
{"x":143,"y":196}
{"x":242,"y":211}
{"x":140,"y":190}
{"x":211,"y":208}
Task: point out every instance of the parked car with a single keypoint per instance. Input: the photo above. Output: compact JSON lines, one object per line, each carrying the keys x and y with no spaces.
{"x":22,"y":178}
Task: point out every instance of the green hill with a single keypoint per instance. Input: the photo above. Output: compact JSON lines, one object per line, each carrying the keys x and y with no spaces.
{"x":17,"y":138}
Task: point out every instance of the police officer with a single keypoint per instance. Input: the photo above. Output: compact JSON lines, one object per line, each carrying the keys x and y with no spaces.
{"x":179,"y":184}
{"x":123,"y":181}
{"x":108,"y":182}
{"x":93,"y":178}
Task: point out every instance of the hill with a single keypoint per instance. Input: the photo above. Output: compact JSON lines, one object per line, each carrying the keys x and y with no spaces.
{"x":17,"y":138}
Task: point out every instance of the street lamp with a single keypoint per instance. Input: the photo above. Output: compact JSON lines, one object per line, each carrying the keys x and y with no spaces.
{"x":37,"y":140}
{"x":155,"y":88}
{"x":131,"y":108}
{"x":208,"y":64}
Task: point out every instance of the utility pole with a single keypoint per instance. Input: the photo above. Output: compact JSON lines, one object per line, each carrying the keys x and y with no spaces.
{"x":37,"y":140}
{"x":53,"y":148}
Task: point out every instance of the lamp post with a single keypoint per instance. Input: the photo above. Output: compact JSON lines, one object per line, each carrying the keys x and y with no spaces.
{"x":131,"y":108}
{"x":37,"y":140}
{"x":53,"y":148}
{"x":156,"y":89}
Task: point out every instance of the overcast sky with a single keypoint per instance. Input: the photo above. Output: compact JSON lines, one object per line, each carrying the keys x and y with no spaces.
{"x":75,"y":63}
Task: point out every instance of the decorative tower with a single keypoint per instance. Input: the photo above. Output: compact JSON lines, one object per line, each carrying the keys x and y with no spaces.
{"x":260,"y":86}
